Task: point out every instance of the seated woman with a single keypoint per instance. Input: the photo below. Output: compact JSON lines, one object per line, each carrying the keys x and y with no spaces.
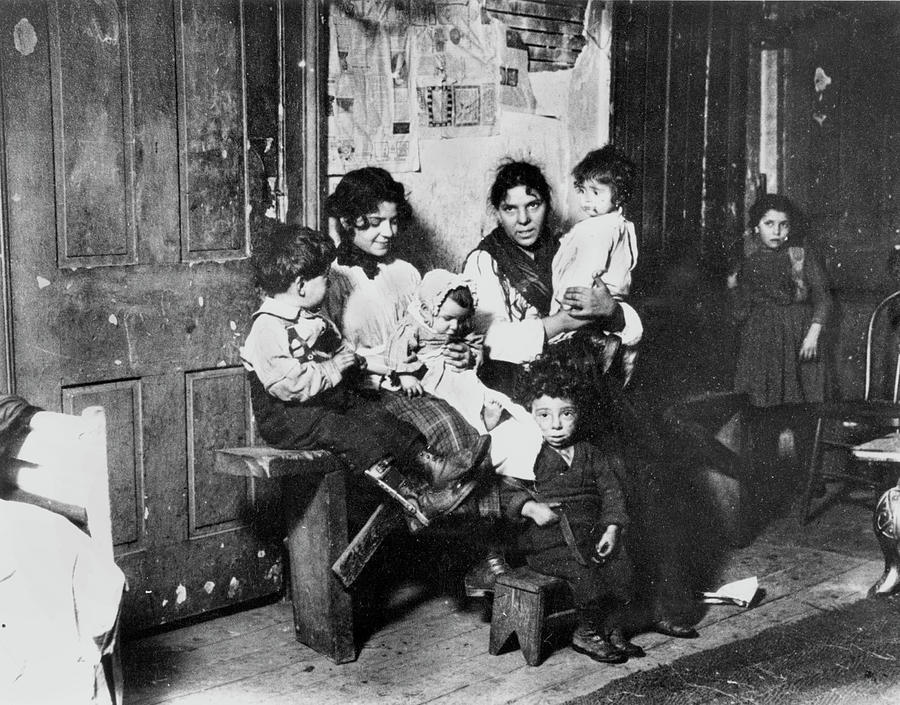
{"x":369,"y":290}
{"x":511,"y":270}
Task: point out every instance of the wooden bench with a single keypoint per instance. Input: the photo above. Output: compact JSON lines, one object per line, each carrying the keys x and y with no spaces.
{"x":323,"y":562}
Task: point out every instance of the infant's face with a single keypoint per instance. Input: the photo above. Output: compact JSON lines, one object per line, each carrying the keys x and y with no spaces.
{"x":451,"y":319}
{"x":557,"y":418}
{"x":595,"y":198}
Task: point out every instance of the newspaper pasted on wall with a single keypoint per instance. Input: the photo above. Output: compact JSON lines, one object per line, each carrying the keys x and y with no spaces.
{"x":401,"y":71}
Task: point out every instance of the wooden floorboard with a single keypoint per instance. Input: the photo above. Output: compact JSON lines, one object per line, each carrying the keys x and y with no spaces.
{"x":428,"y":648}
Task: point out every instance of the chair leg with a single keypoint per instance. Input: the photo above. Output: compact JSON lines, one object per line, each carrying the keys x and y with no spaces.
{"x":815,"y":466}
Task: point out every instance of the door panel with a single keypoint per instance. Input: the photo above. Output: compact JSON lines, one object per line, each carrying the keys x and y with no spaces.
{"x":127,"y":197}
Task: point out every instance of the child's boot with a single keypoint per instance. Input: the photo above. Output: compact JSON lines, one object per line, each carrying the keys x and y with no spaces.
{"x":592,"y":643}
{"x":443,"y":470}
{"x":420,"y":502}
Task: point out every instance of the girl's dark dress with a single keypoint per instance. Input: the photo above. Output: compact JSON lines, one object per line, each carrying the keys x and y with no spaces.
{"x":777,"y":314}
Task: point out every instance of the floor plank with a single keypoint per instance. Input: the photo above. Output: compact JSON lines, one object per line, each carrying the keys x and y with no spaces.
{"x":432,"y":648}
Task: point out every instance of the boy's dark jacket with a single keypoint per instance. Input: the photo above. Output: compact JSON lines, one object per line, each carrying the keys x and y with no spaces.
{"x":589,"y":493}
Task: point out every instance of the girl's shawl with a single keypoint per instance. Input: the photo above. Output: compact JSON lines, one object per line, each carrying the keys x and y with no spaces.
{"x":797,"y":253}
{"x":532,"y":278}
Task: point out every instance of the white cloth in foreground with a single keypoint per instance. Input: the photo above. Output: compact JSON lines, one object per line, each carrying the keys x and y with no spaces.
{"x":59,"y":596}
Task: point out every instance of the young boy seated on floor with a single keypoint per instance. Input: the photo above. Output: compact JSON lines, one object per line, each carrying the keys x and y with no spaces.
{"x":302,"y":384}
{"x":574,"y":513}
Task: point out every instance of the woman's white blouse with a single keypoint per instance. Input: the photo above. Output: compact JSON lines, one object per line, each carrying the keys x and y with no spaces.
{"x":512,"y":333}
{"x":367,"y":311}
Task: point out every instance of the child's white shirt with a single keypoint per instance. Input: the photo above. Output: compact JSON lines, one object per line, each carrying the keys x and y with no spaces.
{"x":604,"y":247}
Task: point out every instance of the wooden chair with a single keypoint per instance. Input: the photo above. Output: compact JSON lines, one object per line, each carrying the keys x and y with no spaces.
{"x":61,"y":466}
{"x":862,"y":424}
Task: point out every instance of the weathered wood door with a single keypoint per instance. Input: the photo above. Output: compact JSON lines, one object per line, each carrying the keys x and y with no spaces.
{"x":138,"y":137}
{"x":842,"y":143}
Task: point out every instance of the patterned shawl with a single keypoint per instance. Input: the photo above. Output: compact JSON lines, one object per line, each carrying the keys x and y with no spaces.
{"x":532,"y":278}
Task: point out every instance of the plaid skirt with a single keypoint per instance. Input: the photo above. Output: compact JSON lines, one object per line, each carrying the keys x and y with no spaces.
{"x":445,"y":430}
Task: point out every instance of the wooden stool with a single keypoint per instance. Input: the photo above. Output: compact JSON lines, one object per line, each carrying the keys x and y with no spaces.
{"x":521,"y":599}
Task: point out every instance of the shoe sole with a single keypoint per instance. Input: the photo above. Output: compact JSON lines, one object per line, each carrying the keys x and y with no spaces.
{"x":612,"y":658}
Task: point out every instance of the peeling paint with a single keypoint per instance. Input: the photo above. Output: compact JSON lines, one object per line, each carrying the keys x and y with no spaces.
{"x":146,"y":513}
{"x":180,"y":594}
{"x":232,"y":325}
{"x":821,"y":80}
{"x":234,"y":586}
{"x":109,"y":32}
{"x":41,"y":282}
{"x":24,"y":37}
{"x":113,"y":319}
{"x":274,"y":573}
{"x":200,"y":301}
{"x":117,"y":362}
{"x":209,"y":586}
{"x":165,"y":602}
{"x":220,"y":363}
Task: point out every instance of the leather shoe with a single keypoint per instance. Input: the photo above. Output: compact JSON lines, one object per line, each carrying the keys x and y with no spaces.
{"x":434,"y":503}
{"x":593,"y":644}
{"x":669,"y":628}
{"x":480,"y":578}
{"x":617,"y":638}
{"x":443,"y":470}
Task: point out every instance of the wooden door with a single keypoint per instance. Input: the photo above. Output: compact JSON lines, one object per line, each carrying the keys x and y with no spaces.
{"x":139,"y":137}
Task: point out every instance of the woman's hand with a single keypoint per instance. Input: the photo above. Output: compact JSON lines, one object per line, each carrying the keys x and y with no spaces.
{"x":458,"y":355}
{"x":809,"y":349}
{"x":562,"y":322}
{"x":589,"y":302}
{"x":608,"y":542}
{"x":411,"y":386}
{"x":540,"y":513}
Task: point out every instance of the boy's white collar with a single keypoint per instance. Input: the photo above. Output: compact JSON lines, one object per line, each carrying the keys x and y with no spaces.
{"x":278,"y":308}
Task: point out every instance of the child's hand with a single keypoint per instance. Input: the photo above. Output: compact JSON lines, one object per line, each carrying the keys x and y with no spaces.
{"x":344,"y":360}
{"x":809,"y":349}
{"x":608,"y":542}
{"x":540,"y":513}
{"x":458,"y":355}
{"x":411,"y":386}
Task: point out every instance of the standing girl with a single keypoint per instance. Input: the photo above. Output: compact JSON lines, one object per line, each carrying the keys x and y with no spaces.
{"x":783,"y":300}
